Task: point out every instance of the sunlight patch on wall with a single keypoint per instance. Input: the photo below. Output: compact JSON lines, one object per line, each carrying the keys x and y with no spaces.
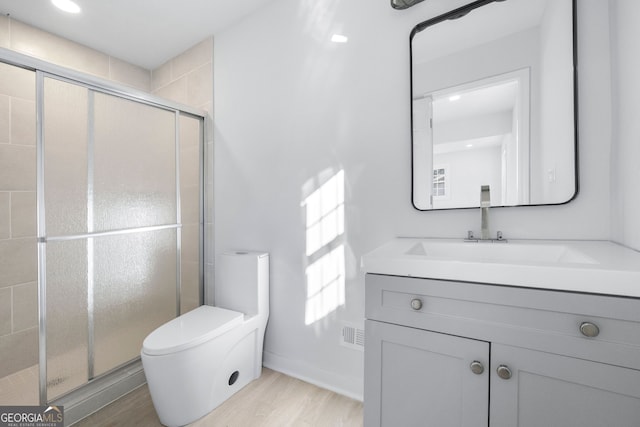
{"x":325,"y":249}
{"x":325,"y":285}
{"x":325,"y":213}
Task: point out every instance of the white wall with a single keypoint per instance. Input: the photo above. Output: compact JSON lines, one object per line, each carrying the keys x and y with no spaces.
{"x":468,"y":169}
{"x":626,"y":150}
{"x":291,"y":106}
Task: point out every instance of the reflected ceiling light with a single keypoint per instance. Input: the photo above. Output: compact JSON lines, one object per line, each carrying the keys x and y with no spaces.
{"x":66,"y":5}
{"x":469,"y":145}
{"x":339,"y":38}
{"x":454,"y":98}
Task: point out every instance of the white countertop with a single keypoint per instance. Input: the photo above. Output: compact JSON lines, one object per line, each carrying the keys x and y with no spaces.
{"x":598,"y":267}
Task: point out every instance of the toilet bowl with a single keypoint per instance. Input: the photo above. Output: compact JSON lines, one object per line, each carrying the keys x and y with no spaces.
{"x":196,"y":361}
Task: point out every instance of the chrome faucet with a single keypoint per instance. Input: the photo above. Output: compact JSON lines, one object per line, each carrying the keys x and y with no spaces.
{"x":485,"y":204}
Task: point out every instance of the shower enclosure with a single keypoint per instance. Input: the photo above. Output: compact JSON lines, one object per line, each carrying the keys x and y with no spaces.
{"x":101,"y":236}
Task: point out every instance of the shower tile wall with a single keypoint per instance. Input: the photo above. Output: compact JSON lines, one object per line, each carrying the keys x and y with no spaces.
{"x":188,"y":78}
{"x":32,"y":41}
{"x":18,"y":269}
{"x":4,"y":32}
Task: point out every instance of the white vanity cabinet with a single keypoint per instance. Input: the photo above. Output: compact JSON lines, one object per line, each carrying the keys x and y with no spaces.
{"x":422,"y":378}
{"x":445,"y":353}
{"x":547,"y":389}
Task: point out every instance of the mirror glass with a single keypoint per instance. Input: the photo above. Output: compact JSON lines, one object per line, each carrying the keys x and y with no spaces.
{"x":493,"y":104}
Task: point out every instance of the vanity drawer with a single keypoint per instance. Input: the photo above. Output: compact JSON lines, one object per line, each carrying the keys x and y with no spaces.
{"x":597,"y":327}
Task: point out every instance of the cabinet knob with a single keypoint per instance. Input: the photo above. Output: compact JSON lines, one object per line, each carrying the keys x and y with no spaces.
{"x":477,"y":367}
{"x":589,"y":329}
{"x":416,"y":303}
{"x":504,"y":372}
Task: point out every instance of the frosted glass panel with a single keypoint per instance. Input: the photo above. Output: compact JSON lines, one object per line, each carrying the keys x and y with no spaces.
{"x":134,"y":292}
{"x":190,"y":268}
{"x":65,"y":157}
{"x":190,"y":169}
{"x":67,"y":365}
{"x":134,"y":164}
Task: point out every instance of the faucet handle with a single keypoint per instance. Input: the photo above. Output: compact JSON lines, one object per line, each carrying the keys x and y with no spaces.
{"x":470,"y":237}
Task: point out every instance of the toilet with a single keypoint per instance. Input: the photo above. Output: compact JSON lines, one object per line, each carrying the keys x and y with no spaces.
{"x":198,"y":360}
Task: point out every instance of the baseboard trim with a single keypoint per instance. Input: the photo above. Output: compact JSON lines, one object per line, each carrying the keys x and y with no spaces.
{"x":346,"y":386}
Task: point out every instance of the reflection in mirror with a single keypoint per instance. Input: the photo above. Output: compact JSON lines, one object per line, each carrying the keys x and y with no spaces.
{"x":493,"y":104}
{"x":403,"y":4}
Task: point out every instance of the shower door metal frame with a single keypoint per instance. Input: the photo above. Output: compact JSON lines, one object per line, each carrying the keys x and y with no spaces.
{"x":93,"y":84}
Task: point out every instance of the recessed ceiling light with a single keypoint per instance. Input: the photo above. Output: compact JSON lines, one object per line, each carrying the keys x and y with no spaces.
{"x":338,"y":38}
{"x":66,"y":5}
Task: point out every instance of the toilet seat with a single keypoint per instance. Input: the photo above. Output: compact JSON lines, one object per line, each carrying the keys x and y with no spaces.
{"x":188,"y":330}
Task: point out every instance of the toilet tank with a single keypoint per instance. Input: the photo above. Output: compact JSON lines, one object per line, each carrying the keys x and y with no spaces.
{"x":242,"y":282}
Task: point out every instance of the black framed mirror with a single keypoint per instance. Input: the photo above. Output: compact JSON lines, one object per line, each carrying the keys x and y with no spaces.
{"x":493,"y":87}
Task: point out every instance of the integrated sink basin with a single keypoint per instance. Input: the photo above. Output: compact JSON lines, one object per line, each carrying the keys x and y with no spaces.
{"x":499,"y":252}
{"x":600,"y":267}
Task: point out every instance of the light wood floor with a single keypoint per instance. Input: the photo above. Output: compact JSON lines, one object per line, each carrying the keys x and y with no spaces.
{"x":273,"y":400}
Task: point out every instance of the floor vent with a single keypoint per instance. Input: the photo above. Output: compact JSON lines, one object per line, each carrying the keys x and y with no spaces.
{"x":352,"y":337}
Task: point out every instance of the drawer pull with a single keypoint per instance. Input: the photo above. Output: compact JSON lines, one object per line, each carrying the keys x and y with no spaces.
{"x":504,"y":372}
{"x":416,"y":303}
{"x":477,"y":367}
{"x":589,"y":329}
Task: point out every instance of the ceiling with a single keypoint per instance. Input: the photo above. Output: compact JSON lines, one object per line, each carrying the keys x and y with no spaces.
{"x":143,"y":32}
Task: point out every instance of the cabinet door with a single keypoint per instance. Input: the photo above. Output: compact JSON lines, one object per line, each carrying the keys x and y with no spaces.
{"x":420,"y":378}
{"x":557,"y":391}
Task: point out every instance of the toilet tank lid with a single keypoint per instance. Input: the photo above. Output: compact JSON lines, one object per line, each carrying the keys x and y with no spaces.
{"x":190,"y":329}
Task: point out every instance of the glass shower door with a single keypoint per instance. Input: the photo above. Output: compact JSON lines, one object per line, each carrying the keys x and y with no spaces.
{"x":112,"y":220}
{"x":133,"y":188}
